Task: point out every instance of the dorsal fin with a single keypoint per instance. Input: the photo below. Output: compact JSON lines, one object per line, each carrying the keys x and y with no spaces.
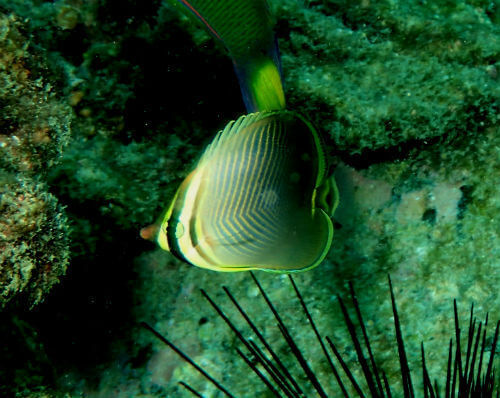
{"x":232,"y":128}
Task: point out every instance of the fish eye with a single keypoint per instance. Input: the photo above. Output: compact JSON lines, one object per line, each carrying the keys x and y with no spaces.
{"x":176,"y":226}
{"x":179,"y":230}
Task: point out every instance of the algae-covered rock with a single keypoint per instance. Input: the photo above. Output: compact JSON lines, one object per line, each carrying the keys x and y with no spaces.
{"x":380,"y":74}
{"x":33,"y":239}
{"x":34,"y":124}
{"x":34,"y":127}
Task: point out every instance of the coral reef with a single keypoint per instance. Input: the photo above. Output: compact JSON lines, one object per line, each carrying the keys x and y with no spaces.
{"x":34,"y":127}
{"x":406,"y":94}
{"x":383,"y":74}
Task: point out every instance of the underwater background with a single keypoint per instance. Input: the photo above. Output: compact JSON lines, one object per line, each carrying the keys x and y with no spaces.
{"x":106,"y":105}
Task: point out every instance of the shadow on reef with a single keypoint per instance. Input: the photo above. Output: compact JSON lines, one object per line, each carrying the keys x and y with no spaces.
{"x":126,"y":67}
{"x":470,"y":371}
{"x":80,"y":325}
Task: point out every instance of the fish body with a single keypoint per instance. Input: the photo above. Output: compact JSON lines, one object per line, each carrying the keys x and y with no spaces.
{"x":257,"y":199}
{"x":245,"y":29}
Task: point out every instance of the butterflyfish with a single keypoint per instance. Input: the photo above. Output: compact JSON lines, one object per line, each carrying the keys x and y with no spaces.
{"x":245,"y":29}
{"x":259,"y":198}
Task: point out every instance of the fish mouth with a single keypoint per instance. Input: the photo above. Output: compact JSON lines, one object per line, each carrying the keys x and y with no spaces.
{"x":149,"y":232}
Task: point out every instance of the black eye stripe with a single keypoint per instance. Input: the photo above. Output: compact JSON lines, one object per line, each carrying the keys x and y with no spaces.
{"x":172,"y":241}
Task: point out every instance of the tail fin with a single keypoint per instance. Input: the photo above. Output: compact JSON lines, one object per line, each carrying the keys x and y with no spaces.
{"x":244,"y":27}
